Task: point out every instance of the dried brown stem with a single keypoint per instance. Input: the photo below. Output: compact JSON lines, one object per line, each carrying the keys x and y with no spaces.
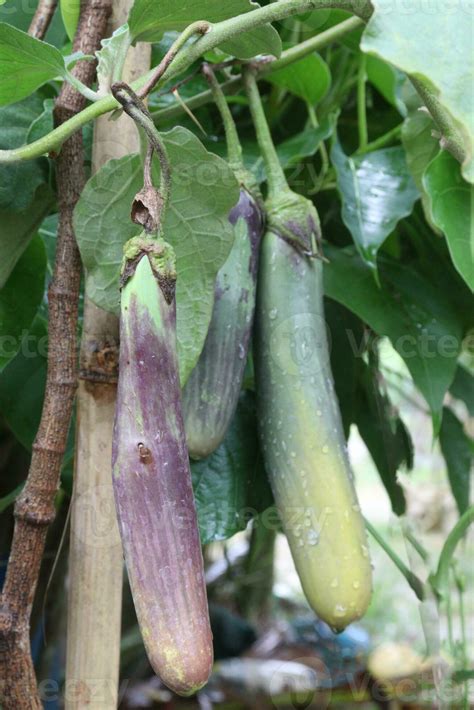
{"x":34,"y":510}
{"x":42,"y":18}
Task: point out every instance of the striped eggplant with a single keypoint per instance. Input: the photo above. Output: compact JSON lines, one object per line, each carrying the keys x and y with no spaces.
{"x":300,"y":424}
{"x":151,"y":475}
{"x":211,"y":393}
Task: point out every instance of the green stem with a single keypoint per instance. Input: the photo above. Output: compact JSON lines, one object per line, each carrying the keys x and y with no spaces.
{"x":416,"y":544}
{"x":415,"y":583}
{"x":289,"y":56}
{"x":452,"y":141}
{"x":89,"y":94}
{"x":361,"y":104}
{"x":314,"y":44}
{"x":164,"y":115}
{"x":313,"y":119}
{"x":440,"y":579}
{"x":234,"y":149}
{"x":220,"y":32}
{"x":277,"y":182}
{"x":196,"y":28}
{"x":392,"y":135}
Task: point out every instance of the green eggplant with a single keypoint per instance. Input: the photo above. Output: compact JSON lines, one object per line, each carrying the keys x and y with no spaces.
{"x":299,"y":420}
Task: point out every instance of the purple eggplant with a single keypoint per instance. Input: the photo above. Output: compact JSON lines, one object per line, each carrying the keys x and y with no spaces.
{"x":210,"y":396}
{"x":151,"y":475}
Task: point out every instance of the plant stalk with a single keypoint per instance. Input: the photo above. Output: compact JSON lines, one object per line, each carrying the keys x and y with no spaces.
{"x":234,"y":149}
{"x":361,"y":104}
{"x":277,"y":182}
{"x":415,"y":583}
{"x":34,"y":509}
{"x":440,"y":579}
{"x":42,"y":18}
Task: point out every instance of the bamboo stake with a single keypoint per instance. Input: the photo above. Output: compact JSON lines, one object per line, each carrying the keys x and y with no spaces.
{"x":34,"y":508}
{"x":95,"y":561}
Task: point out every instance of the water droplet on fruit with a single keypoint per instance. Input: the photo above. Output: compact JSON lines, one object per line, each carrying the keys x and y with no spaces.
{"x":356,"y":585}
{"x":335,"y":583}
{"x":313,"y":537}
{"x":325,"y":449}
{"x":272,"y":314}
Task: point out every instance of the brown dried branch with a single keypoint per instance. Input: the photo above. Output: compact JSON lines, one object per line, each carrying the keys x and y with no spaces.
{"x":34,"y":510}
{"x":42,"y":18}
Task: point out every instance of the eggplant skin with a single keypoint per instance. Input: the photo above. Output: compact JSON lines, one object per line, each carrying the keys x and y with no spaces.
{"x":153,"y":491}
{"x":302,"y":438}
{"x":211,"y":394}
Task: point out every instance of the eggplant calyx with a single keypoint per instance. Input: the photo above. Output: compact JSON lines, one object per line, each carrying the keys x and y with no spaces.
{"x":294,"y":218}
{"x":162,"y":260}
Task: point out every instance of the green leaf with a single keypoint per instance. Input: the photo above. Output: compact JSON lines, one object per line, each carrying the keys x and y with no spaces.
{"x":345,"y":332}
{"x":17,"y":229}
{"x":25,"y":64}
{"x":309,"y":79}
{"x":452,"y":210}
{"x":112,"y":55}
{"x":203,"y":192}
{"x":230,"y":486}
{"x":463,"y":388}
{"x":388,"y":81}
{"x":384,"y":434}
{"x":19,"y":181}
{"x":402,"y":38}
{"x":420,"y":146}
{"x":422,"y":325}
{"x":20,"y":299}
{"x":43,"y":124}
{"x":70,"y":10}
{"x":148,"y":20}
{"x":377,"y":191}
{"x":457,"y":450}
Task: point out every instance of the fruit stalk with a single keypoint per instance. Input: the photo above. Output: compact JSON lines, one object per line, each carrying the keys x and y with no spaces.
{"x":151,"y":475}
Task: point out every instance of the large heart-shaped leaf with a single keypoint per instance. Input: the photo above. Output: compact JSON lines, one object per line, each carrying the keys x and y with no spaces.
{"x":149,"y":19}
{"x":452,"y":210}
{"x":231,"y":485}
{"x":412,"y":312}
{"x":203,"y":192}
{"x":377,"y":191}
{"x":404,"y":38}
{"x":25,"y":64}
{"x":20,"y":299}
